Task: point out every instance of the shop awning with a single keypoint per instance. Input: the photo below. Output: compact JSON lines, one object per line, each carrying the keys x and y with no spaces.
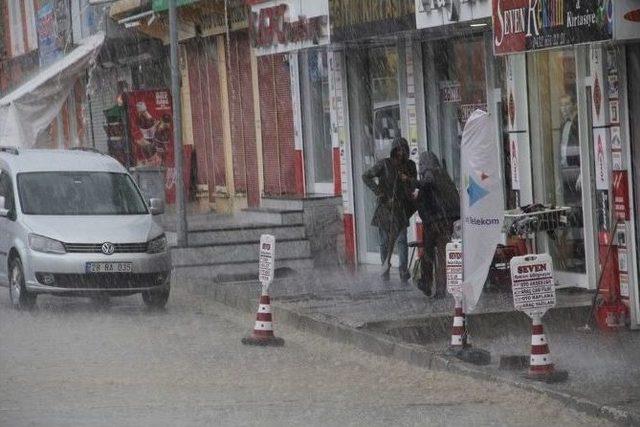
{"x":30,"y":109}
{"x":123,"y":8}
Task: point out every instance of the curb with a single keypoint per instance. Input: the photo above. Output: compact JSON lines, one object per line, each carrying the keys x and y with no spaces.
{"x":413,"y":354}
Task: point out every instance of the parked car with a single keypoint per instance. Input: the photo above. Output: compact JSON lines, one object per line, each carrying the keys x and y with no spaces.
{"x":74,"y":223}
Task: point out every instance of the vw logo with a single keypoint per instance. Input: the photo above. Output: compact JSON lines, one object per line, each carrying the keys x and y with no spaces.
{"x":108,"y":248}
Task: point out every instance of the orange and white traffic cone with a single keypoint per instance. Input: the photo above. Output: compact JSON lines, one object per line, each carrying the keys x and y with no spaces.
{"x":541,"y":367}
{"x":460,"y":345}
{"x":459,"y":336}
{"x":263,"y":329}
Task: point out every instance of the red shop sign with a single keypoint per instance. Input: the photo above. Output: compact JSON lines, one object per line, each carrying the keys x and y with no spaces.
{"x":273,"y":25}
{"x":621,"y":195}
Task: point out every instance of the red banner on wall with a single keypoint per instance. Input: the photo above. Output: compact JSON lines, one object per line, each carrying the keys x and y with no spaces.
{"x":621,"y":195}
{"x":150,"y":117}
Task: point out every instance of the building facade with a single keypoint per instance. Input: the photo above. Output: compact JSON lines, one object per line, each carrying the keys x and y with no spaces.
{"x":35,"y":34}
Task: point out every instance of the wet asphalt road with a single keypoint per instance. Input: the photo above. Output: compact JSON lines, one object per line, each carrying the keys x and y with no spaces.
{"x":70,"y":363}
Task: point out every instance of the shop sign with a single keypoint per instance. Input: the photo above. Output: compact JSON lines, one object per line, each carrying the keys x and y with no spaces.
{"x":621,"y":195}
{"x":466,"y":110}
{"x":532,"y":283}
{"x":626,"y":18}
{"x":524,"y":25}
{"x":454,"y":268}
{"x":616,"y":142}
{"x":46,"y":24}
{"x":52,"y":25}
{"x":621,"y":242}
{"x":435,"y":13}
{"x":355,"y":19}
{"x":601,"y":158}
{"x":515,"y":164}
{"x":450,"y":92}
{"x":288,"y":25}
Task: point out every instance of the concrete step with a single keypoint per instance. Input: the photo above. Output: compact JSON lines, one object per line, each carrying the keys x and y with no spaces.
{"x":273,"y":216}
{"x":242,"y":270}
{"x":282,"y":204}
{"x":245,"y":234}
{"x":235,"y":252}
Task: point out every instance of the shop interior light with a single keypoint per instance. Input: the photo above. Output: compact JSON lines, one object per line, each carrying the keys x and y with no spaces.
{"x":478,"y":24}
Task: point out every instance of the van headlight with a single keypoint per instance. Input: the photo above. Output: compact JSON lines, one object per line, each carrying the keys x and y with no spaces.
{"x":157,"y":245}
{"x":44,"y":244}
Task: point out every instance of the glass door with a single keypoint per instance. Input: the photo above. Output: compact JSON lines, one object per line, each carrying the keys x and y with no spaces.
{"x":316,"y":123}
{"x":560,"y":161}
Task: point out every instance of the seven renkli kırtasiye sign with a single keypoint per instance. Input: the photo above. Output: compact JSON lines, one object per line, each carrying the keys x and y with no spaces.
{"x":523,"y":25}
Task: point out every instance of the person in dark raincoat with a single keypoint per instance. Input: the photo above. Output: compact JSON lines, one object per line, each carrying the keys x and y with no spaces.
{"x":439,"y":207}
{"x":392,"y":180}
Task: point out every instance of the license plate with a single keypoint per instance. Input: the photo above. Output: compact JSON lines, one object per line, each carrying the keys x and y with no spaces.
{"x":109,"y":267}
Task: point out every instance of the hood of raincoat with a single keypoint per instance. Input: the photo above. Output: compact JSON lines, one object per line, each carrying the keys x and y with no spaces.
{"x":429,"y":164}
{"x":399,"y":143}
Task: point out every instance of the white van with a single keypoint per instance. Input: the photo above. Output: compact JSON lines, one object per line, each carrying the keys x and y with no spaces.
{"x":74,"y":223}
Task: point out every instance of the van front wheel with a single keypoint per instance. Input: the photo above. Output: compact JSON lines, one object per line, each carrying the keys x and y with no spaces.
{"x":21,"y":299}
{"x":156,"y":299}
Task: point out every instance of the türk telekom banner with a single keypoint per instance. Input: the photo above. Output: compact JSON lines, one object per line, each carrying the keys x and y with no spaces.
{"x":523,"y":25}
{"x":482,"y":203}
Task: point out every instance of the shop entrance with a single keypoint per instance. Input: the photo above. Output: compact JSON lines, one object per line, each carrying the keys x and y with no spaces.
{"x":561,"y":159}
{"x":374,"y":116}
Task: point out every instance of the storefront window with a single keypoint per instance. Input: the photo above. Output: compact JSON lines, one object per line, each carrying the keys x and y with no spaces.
{"x":461,"y":85}
{"x":559,"y":145}
{"x":316,"y":121}
{"x":511,"y":199}
{"x":385,"y":100}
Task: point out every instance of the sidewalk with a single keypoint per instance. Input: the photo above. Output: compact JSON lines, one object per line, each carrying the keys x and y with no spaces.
{"x":397,"y":320}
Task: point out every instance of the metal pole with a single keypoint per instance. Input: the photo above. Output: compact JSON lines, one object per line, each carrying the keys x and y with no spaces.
{"x":181,"y":218}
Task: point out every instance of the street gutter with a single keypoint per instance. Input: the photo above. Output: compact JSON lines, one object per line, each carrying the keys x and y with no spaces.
{"x":383,"y":345}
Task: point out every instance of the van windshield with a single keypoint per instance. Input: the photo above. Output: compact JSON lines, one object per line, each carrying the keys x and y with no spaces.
{"x":79,"y":193}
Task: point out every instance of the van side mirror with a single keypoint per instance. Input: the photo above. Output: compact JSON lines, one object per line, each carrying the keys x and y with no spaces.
{"x":3,"y":211}
{"x":156,"y":206}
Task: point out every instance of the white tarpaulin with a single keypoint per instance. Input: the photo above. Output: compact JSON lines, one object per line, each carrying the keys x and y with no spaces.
{"x":482,"y":203}
{"x":30,"y":109}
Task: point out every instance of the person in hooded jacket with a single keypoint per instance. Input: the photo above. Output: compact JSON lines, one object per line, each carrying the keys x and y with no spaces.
{"x":392,"y":180}
{"x":438,"y":205}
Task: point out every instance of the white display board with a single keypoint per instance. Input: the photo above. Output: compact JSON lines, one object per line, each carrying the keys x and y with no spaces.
{"x":454,"y":268}
{"x":532,"y":283}
{"x":267,"y":259}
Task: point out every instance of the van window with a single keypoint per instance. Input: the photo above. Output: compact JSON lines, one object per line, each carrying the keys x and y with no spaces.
{"x":79,"y":193}
{"x":6,"y":191}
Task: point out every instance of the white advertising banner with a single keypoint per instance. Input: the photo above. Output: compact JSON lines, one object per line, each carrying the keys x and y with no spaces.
{"x":436,"y":13}
{"x":534,"y":291}
{"x":482,"y":203}
{"x":454,"y":268}
{"x":626,"y":19}
{"x":266,"y":267}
